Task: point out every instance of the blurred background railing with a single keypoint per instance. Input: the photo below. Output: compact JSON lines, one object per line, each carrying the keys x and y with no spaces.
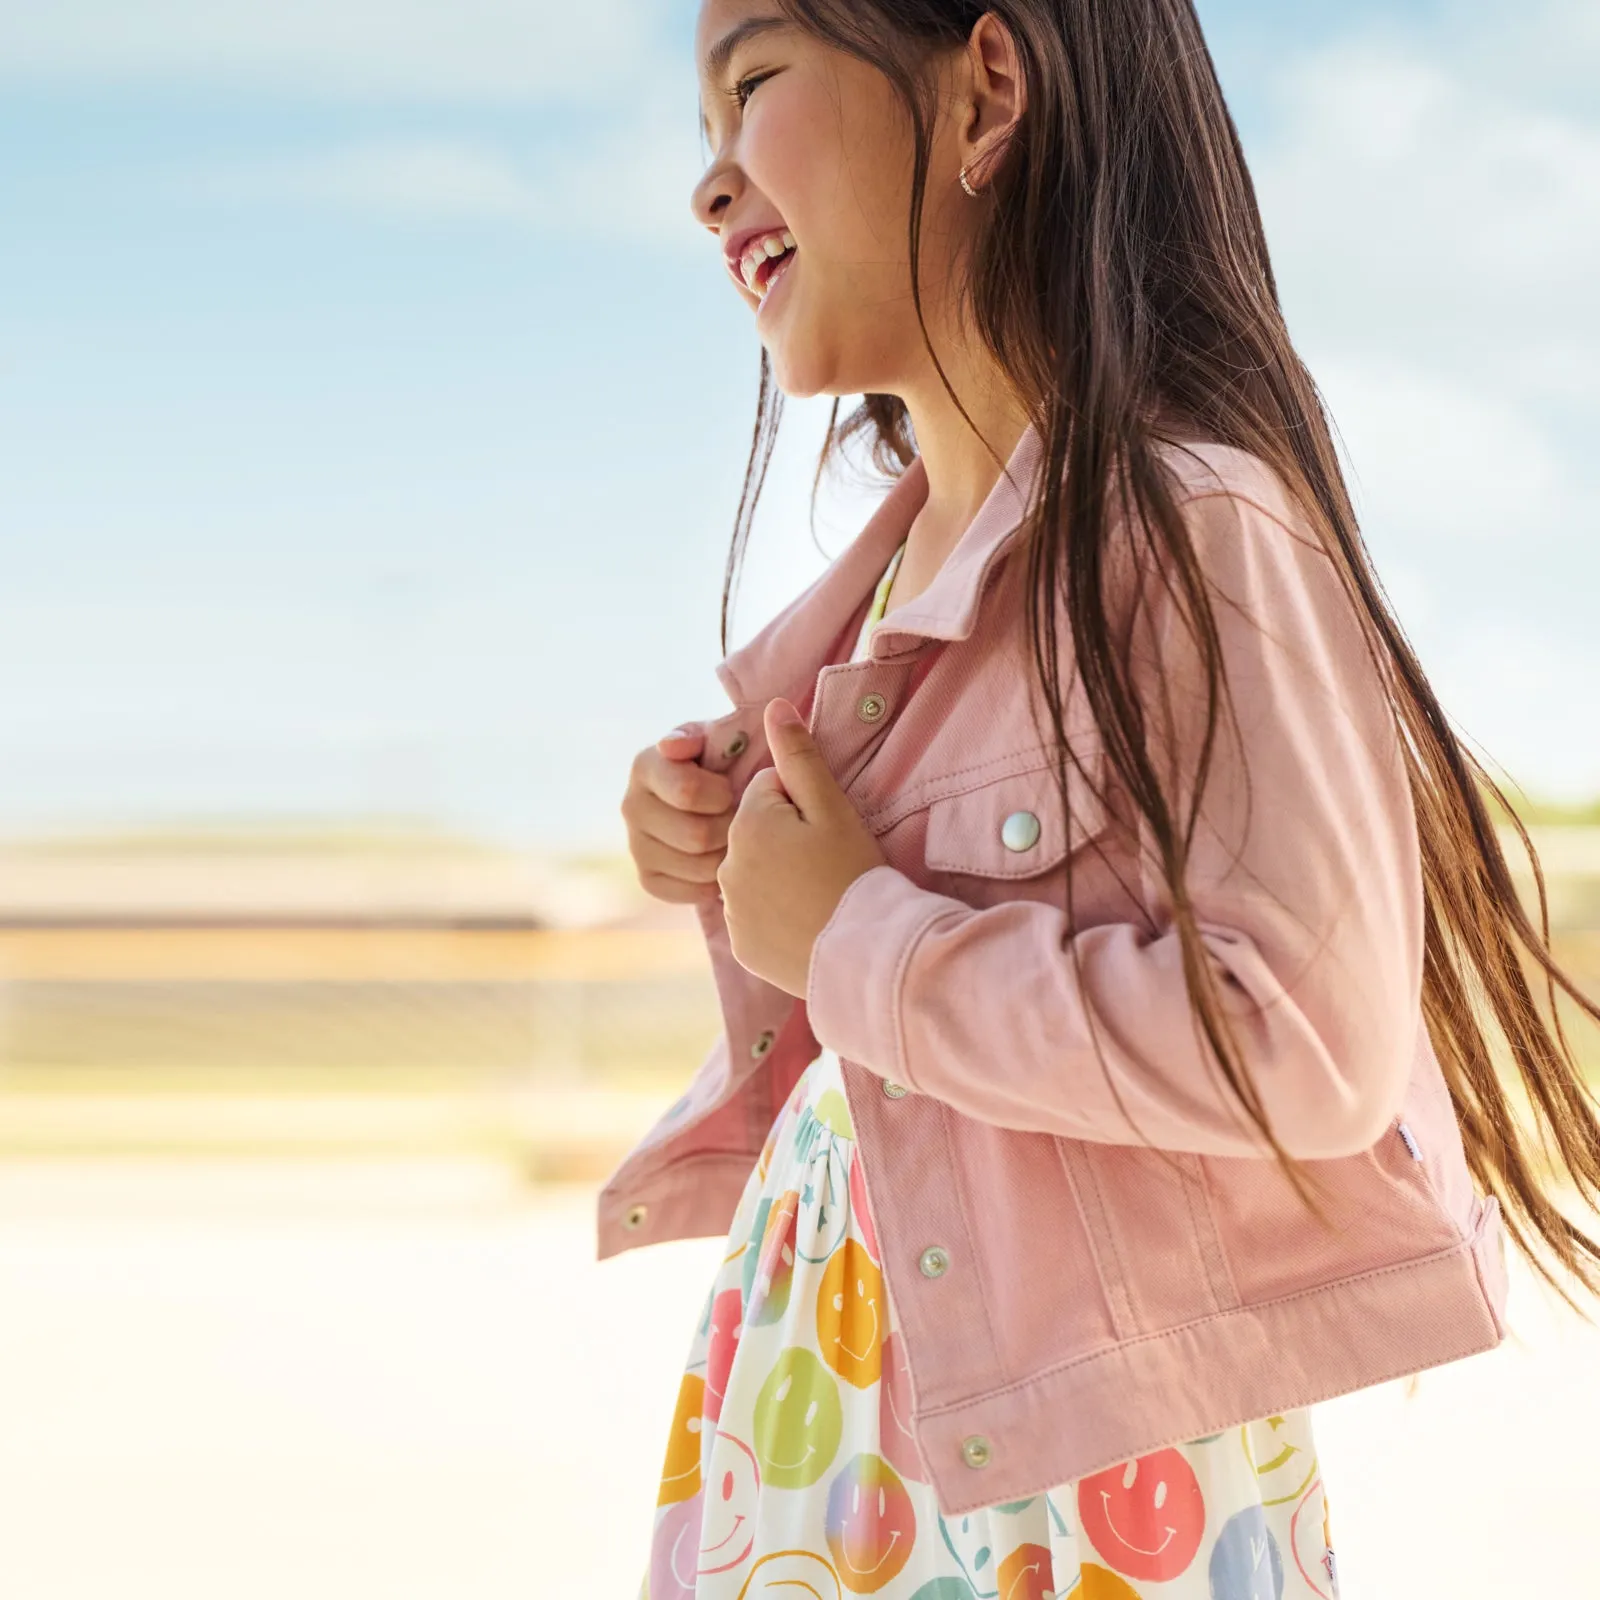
{"x":380,"y":993}
{"x":405,"y":994}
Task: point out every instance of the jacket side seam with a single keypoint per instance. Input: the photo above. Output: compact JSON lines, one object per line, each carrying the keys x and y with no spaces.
{"x":979,"y":1261}
{"x":1117,"y":1307}
{"x":1219,"y":1272}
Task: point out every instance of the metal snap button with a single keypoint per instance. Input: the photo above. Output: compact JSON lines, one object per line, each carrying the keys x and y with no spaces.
{"x":634,"y":1216}
{"x":1020,"y":831}
{"x":975,"y":1451}
{"x":871,"y":707}
{"x":738,"y":745}
{"x":895,"y":1091}
{"x":763,"y":1043}
{"x":935,"y":1261}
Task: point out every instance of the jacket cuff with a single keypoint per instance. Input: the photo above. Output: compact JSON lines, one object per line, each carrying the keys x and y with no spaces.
{"x":858,"y":967}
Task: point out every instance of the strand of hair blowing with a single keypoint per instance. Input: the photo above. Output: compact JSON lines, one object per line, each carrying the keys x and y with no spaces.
{"x":1123,"y":282}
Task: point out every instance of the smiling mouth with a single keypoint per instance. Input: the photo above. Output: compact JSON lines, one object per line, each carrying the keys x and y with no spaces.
{"x":769,"y":271}
{"x":861,"y":1355}
{"x":1137,"y":1549}
{"x":764,"y":259}
{"x":738,"y":1522}
{"x":862,"y":1572}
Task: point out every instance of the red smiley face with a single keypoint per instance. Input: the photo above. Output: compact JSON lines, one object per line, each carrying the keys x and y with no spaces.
{"x":1145,"y":1517}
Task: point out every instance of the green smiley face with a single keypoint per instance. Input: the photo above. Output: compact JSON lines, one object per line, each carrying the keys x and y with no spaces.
{"x":798,"y":1420}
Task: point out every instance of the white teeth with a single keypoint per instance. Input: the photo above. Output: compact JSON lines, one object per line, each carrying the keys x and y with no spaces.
{"x":759,"y":250}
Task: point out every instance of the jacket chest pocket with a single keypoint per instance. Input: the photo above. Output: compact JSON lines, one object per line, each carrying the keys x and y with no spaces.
{"x":1011,"y":829}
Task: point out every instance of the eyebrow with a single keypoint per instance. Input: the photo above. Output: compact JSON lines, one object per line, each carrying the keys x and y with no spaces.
{"x":721,"y":53}
{"x":718,"y":56}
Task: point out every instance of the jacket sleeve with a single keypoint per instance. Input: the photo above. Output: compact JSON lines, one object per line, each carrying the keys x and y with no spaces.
{"x":1306,"y":887}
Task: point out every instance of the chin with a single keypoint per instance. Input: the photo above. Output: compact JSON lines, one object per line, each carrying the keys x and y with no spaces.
{"x":802,"y":370}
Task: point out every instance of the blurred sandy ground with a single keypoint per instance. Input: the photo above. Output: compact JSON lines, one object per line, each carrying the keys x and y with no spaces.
{"x":298,"y":1148}
{"x":412,"y":1382}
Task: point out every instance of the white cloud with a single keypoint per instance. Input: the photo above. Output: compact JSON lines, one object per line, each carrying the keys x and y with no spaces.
{"x":1523,"y":699}
{"x":632,"y":180}
{"x":1442,"y":460}
{"x":1425,"y":202}
{"x":404,"y":178}
{"x":463,"y":49}
{"x":1432,"y":197}
{"x":1436,"y":229}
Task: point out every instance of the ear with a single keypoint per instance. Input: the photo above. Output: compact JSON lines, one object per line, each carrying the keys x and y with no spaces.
{"x":998,"y":95}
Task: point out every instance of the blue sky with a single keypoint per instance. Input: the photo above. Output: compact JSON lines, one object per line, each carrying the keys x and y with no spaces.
{"x":374,"y":414}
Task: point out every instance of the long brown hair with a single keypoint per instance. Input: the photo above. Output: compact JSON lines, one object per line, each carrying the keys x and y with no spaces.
{"x":1123,"y":274}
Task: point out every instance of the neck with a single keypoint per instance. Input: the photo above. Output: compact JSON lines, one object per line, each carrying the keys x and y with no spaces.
{"x":960,"y":464}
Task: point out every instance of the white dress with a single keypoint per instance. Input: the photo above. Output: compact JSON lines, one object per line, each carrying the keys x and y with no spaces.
{"x":789,"y":1472}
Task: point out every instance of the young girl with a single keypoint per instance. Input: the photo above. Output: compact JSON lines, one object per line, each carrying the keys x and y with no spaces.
{"x":1112,"y":938}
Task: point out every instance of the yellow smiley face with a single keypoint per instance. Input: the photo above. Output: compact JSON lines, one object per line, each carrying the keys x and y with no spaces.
{"x":680,"y":1471}
{"x":1282,"y":1458}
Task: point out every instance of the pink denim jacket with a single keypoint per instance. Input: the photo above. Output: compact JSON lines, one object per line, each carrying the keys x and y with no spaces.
{"x":1071,"y":1298}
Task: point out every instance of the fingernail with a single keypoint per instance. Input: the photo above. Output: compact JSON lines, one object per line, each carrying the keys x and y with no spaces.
{"x":679,"y":733}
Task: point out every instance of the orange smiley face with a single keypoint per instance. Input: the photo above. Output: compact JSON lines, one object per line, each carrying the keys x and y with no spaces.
{"x":850,"y":1315}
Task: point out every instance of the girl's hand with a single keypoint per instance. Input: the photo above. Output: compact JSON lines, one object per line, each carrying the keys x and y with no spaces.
{"x":677,"y":815}
{"x":795,"y":845}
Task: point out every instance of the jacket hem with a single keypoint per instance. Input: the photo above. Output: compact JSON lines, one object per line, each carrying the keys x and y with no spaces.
{"x":693,"y":1197}
{"x":1220,"y":1372}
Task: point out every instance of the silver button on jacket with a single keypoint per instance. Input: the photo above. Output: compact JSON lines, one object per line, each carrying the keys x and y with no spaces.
{"x":1020,"y":831}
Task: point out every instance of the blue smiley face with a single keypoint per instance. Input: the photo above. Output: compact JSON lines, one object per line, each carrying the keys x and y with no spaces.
{"x":1245,"y":1563}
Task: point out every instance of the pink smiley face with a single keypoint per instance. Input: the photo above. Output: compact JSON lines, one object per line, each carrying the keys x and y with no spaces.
{"x":860,"y":1210}
{"x":672,"y":1551}
{"x":1311,"y":1541}
{"x":1145,"y":1517}
{"x":895,"y":1439}
{"x":728,"y":1521}
{"x":727,"y":1316}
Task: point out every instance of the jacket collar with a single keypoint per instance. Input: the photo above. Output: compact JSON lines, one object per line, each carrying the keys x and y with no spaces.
{"x":783,"y":658}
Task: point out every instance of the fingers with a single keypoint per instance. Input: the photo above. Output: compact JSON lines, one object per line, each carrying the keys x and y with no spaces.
{"x":679,"y":780}
{"x":674,"y":891}
{"x":678,"y":816}
{"x":685,"y":833}
{"x":675,"y":875}
{"x":682,"y":744}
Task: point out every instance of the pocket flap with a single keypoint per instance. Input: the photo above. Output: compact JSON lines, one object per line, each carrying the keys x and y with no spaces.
{"x":1011,"y":827}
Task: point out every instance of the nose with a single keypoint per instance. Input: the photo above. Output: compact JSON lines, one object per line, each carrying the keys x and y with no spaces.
{"x":713,"y":194}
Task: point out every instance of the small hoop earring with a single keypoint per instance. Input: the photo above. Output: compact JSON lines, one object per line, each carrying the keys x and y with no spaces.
{"x":967,"y":186}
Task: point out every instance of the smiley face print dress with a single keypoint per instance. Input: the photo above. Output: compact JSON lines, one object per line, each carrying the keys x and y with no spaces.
{"x":790,"y":1473}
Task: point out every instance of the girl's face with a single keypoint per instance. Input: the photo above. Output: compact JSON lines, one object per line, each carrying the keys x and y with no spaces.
{"x":811,"y":148}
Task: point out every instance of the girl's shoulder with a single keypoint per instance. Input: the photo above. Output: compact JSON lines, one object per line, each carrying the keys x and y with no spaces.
{"x":1246,"y":526}
{"x":1204,"y":469}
